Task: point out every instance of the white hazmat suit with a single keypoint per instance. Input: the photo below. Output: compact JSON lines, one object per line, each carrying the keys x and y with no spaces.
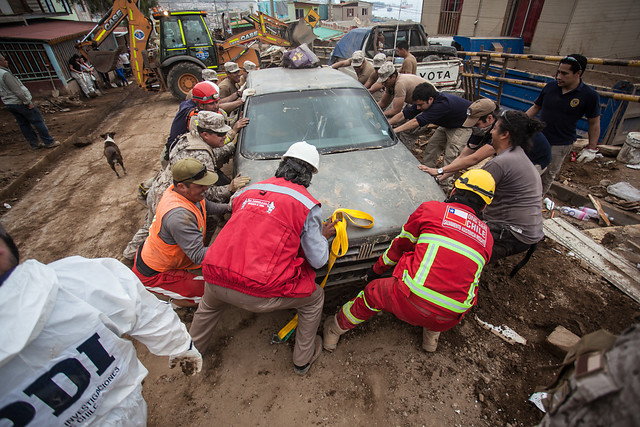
{"x":63,"y":360}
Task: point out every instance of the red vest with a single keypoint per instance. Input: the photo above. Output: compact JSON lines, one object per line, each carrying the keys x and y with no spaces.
{"x":258,"y":251}
{"x":156,"y":253}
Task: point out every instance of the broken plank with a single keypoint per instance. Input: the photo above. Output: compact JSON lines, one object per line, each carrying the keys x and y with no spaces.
{"x":628,"y":232}
{"x":598,"y":206}
{"x":615,"y":269}
{"x":609,"y":150}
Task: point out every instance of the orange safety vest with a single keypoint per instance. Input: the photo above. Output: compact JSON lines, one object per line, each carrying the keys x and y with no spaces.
{"x":161,"y":256}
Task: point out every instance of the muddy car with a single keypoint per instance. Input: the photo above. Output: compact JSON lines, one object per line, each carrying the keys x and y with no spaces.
{"x":362,"y":164}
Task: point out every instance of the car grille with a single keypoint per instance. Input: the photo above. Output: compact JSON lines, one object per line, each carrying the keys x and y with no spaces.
{"x":352,"y":266}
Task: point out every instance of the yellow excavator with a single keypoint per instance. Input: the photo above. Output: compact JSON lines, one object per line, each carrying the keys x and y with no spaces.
{"x":183,"y":47}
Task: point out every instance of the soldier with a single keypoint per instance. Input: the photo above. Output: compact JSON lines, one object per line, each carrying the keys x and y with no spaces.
{"x":205,"y":142}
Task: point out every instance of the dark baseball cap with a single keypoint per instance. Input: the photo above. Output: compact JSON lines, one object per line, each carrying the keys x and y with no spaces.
{"x":192,"y":171}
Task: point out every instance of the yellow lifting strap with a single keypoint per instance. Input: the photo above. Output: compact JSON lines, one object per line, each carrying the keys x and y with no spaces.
{"x":339,"y":247}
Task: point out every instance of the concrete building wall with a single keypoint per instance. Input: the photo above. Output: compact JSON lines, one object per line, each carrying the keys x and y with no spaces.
{"x":596,"y":28}
{"x":489,"y":14}
{"x":430,"y":16}
{"x":554,"y":21}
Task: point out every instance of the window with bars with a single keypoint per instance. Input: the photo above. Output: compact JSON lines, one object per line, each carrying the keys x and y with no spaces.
{"x":28,"y":60}
{"x":449,"y":17}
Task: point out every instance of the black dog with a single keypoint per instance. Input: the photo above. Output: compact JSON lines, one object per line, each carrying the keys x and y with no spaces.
{"x":112,"y":152}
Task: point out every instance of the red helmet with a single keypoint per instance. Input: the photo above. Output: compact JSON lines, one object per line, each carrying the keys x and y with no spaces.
{"x":205,"y":92}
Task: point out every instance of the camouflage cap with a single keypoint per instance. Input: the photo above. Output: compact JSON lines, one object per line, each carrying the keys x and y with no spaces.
{"x":385,"y":71}
{"x":249,"y":66}
{"x":209,"y":75}
{"x":357,"y":58}
{"x":192,"y":171}
{"x":378,"y":60}
{"x":211,"y":121}
{"x":231,"y":67}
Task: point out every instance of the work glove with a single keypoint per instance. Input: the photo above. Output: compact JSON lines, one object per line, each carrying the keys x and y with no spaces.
{"x":244,"y":85}
{"x":190,"y":361}
{"x":247,"y":93}
{"x":371,"y":275}
{"x":588,"y":154}
{"x":238,"y":182}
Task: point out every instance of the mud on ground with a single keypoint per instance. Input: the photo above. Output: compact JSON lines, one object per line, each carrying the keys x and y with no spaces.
{"x":74,"y":205}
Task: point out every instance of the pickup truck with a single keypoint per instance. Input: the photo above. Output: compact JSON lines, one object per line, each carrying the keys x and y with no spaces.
{"x":436,"y":63}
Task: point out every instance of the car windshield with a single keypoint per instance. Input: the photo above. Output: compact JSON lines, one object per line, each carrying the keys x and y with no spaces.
{"x":333,"y":120}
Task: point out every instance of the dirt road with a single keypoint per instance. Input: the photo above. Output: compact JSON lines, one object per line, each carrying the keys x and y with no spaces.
{"x":378,"y":375}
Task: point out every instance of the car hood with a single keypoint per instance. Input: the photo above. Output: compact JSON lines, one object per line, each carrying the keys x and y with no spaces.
{"x":385,"y":183}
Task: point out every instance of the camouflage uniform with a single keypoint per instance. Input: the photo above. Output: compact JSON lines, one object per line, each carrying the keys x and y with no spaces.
{"x":600,"y":383}
{"x":188,"y":145}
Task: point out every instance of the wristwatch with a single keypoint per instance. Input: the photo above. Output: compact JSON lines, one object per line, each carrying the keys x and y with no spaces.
{"x":440,"y":171}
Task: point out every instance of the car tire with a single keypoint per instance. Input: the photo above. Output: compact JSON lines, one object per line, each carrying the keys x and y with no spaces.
{"x":440,"y":51}
{"x":182,"y":78}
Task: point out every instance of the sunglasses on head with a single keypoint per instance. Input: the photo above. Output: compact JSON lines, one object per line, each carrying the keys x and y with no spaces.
{"x":196,"y":176}
{"x":503,"y":116}
{"x":572,"y":59}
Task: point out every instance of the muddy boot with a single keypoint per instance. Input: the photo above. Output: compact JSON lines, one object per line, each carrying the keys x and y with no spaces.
{"x":331,"y":333}
{"x":429,"y":340}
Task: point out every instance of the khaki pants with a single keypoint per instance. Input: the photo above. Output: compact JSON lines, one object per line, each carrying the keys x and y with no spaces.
{"x":451,"y":141}
{"x":216,"y":299}
{"x":558,"y":153}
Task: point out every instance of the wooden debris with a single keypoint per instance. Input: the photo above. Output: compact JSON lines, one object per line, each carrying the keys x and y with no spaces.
{"x":609,"y":150}
{"x":580,"y":144}
{"x":598,"y":207}
{"x":504,"y":332}
{"x":615,"y":269}
{"x":562,"y":339}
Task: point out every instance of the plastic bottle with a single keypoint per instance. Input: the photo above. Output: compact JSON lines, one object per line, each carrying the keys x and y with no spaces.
{"x":576,"y":213}
{"x":593,"y":213}
{"x":589,"y":211}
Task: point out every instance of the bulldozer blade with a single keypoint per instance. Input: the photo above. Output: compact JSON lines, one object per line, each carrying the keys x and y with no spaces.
{"x":103,"y":61}
{"x":302,"y":33}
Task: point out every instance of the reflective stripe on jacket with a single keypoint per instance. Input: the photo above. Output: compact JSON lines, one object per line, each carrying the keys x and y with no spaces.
{"x":439,"y":255}
{"x":258,"y":251}
{"x":161,"y":256}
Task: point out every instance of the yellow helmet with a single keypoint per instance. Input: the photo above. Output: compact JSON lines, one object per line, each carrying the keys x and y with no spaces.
{"x":478,"y":181}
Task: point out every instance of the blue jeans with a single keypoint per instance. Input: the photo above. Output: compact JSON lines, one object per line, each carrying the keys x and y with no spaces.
{"x":27,"y":117}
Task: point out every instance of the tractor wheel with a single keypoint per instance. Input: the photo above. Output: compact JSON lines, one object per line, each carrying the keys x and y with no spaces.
{"x":182,"y":78}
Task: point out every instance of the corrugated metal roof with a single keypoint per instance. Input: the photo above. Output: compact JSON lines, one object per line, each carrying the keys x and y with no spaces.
{"x":51,"y":31}
{"x":324,"y":33}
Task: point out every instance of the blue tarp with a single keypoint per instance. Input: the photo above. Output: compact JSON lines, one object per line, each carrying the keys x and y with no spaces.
{"x":351,"y":42}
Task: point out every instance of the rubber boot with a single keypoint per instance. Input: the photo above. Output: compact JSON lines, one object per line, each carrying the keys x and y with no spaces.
{"x":429,"y":340}
{"x":331,"y":333}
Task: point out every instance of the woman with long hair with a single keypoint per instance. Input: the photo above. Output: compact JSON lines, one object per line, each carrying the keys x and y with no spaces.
{"x":515,"y":216}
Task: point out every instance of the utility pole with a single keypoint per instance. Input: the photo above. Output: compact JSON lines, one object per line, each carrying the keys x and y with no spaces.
{"x":273,"y":10}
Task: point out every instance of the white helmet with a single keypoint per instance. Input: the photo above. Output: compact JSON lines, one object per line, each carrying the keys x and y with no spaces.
{"x":305,"y":152}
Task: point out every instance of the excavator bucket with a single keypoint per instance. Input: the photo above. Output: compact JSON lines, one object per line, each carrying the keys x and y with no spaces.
{"x":103,"y":61}
{"x":302,"y":33}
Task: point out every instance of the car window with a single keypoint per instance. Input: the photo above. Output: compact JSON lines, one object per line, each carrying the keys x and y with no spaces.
{"x":331,"y":119}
